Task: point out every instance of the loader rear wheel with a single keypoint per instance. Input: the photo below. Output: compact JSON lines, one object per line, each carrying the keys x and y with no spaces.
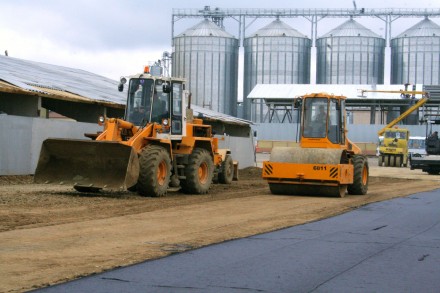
{"x":226,"y":171}
{"x":198,"y":172}
{"x":360,"y":176}
{"x":155,"y":171}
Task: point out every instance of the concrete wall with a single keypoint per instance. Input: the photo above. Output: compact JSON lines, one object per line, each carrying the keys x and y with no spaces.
{"x":20,"y":105}
{"x":242,"y":148}
{"x":21,"y":139}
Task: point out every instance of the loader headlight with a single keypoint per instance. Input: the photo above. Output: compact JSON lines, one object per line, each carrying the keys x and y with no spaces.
{"x":101,"y":120}
{"x":123,"y":80}
{"x":165,"y":122}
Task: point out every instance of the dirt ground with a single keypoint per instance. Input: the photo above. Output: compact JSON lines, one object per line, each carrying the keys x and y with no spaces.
{"x":51,"y":233}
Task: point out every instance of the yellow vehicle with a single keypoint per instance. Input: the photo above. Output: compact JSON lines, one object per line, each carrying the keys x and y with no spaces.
{"x":326,"y":161}
{"x":394,"y":150}
{"x":159,"y":144}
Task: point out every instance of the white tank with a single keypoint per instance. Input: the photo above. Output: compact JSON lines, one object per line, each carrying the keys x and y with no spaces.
{"x":275,"y":54}
{"x":350,"y":54}
{"x":207,"y":56}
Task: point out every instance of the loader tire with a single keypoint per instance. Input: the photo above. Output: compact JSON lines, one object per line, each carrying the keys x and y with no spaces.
{"x":226,"y":173}
{"x":199,"y":172}
{"x":155,"y":171}
{"x":360,"y":177}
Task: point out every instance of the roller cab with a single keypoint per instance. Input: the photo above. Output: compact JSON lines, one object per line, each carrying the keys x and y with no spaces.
{"x":326,"y":163}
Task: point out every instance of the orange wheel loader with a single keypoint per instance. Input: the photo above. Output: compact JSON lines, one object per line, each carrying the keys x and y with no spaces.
{"x":158,"y":145}
{"x":326,"y":162}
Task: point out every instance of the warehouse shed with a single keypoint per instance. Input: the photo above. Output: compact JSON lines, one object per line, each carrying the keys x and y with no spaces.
{"x":39,"y":100}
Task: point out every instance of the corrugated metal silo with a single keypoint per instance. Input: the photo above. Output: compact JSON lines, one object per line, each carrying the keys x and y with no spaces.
{"x":415,"y":55}
{"x":350,"y":54}
{"x":274,"y":54}
{"x":207,"y":56}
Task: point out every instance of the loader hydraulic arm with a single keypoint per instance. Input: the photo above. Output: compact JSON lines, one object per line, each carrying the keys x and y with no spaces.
{"x":420,"y":103}
{"x":405,"y":92}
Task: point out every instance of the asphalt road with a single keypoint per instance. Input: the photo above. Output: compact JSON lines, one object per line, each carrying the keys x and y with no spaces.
{"x":391,"y":246}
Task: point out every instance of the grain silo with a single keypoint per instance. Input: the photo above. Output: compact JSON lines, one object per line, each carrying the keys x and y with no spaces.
{"x":415,"y":55}
{"x":275,"y":54}
{"x":207,"y":56}
{"x":350,"y":54}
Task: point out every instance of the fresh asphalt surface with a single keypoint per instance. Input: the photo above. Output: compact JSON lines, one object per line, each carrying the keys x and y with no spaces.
{"x":390,"y":246}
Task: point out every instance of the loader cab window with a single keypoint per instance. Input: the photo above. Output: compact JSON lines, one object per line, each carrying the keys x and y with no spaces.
{"x":161,"y":103}
{"x":177,"y":108}
{"x":139,"y":101}
{"x":315,"y":117}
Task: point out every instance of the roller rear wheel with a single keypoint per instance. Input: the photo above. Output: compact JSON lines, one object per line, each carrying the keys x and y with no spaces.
{"x":360,"y":177}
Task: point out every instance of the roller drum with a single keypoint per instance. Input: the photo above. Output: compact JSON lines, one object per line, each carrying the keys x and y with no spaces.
{"x":307,"y":156}
{"x":297,"y":155}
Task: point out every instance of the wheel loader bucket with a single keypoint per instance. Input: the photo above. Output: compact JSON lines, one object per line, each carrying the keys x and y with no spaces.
{"x":88,"y":165}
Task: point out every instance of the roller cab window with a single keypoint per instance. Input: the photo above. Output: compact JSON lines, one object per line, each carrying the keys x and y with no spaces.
{"x":315,"y":117}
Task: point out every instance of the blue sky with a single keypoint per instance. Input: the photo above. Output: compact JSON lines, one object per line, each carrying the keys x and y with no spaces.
{"x":114,"y":38}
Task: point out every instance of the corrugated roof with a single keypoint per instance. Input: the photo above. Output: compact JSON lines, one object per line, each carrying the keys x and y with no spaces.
{"x":21,"y":76}
{"x":218,"y":116}
{"x":351,"y":28}
{"x":206,"y":28}
{"x":51,"y":79}
{"x":424,"y":28}
{"x":277,"y":28}
{"x":351,"y":91}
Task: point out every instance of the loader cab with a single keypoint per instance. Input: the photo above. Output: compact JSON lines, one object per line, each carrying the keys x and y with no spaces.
{"x":323,"y":121}
{"x":156,"y":100}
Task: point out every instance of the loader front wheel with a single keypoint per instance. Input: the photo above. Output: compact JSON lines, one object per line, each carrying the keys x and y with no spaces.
{"x":155,"y":171}
{"x":198,"y":172}
{"x":226,"y":171}
{"x":360,"y":177}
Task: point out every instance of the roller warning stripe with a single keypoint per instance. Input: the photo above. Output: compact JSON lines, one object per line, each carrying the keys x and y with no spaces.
{"x":268,"y":169}
{"x":334,"y":172}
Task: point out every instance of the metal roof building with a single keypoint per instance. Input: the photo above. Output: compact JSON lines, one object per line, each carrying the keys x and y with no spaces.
{"x":27,"y":88}
{"x":279,"y":99}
